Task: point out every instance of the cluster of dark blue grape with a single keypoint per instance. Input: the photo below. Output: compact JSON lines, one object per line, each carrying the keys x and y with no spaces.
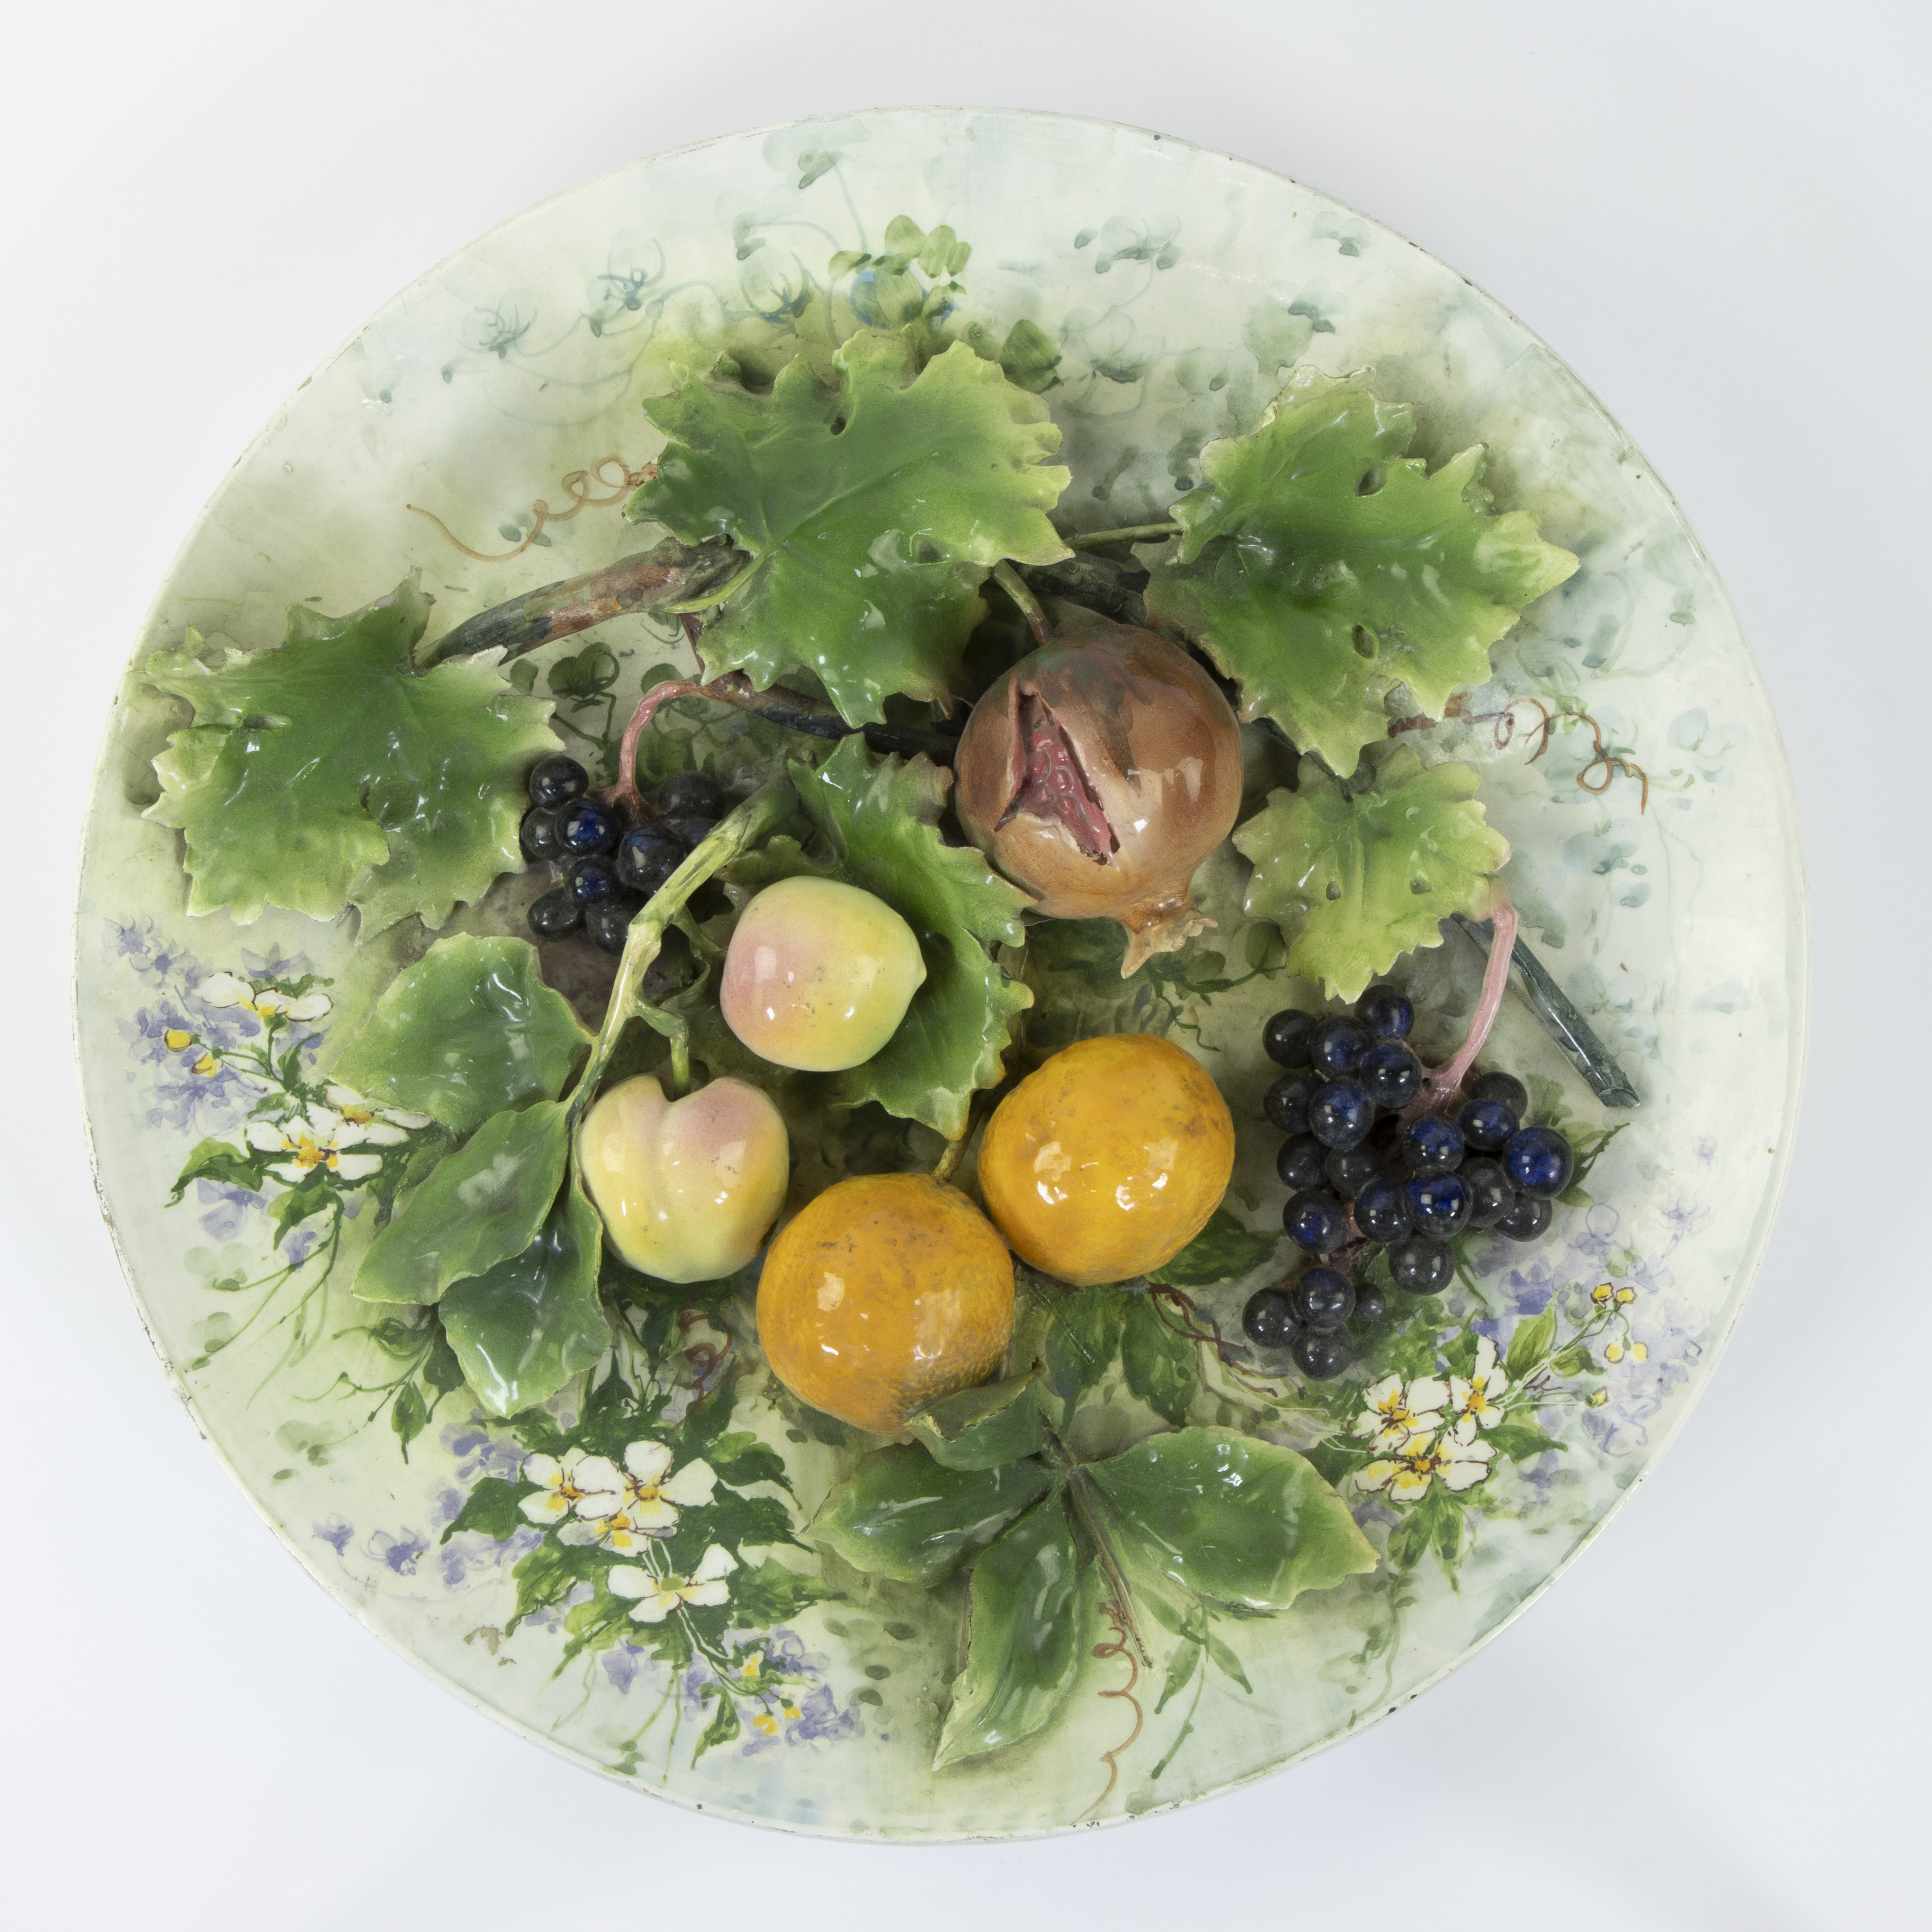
{"x":608,"y":873}
{"x":1359,"y":1178}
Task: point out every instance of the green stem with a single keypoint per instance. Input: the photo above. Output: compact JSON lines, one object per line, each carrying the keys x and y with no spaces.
{"x":1086,"y":1503}
{"x":1008,"y":581}
{"x":1132,"y":533}
{"x":691,"y":606}
{"x":766,"y":808}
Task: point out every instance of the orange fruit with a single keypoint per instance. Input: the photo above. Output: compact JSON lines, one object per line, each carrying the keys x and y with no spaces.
{"x":888,"y":1291}
{"x":1108,"y":1161}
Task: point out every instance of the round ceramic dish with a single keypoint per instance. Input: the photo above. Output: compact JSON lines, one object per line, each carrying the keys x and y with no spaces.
{"x":1630,"y":756}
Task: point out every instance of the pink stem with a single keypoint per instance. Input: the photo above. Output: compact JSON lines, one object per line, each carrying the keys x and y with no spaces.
{"x":1441,"y":1086}
{"x":624,"y":795}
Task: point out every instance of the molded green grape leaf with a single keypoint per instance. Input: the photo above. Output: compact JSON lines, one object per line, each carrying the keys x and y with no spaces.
{"x":1234,"y":1519}
{"x":469,"y":1031}
{"x":1224,"y":1250}
{"x":523,"y":1328}
{"x":1160,"y":1363}
{"x":478,"y":1206}
{"x":328,"y":773}
{"x":901,"y":1514}
{"x":1354,"y":883}
{"x":1320,"y":567}
{"x":872,"y":512}
{"x":1084,"y":1340}
{"x":1023,"y":1637}
{"x":981,"y":1428}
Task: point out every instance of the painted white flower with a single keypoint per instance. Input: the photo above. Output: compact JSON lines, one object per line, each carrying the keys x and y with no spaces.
{"x":387,"y":1127}
{"x":1422,"y":1460}
{"x":654,"y":1597}
{"x":1478,"y":1399}
{"x":1392,"y":1413}
{"x":229,"y":989}
{"x":317,"y":1139}
{"x":580,"y":1486}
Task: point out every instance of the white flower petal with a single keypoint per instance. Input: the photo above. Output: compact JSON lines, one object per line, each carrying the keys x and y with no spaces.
{"x":707,"y":1596}
{"x":403,"y":1117}
{"x":267,"y":1137}
{"x":545,"y":1507}
{"x":648,"y":1461}
{"x":716,"y":1561}
{"x":579,"y":1534}
{"x":358,"y":1166}
{"x":1379,"y":1395}
{"x":379,"y":1133}
{"x":328,"y":1126}
{"x":655,"y":1609}
{"x":631,"y":1579}
{"x":1376,"y":1476}
{"x":600,"y":1473}
{"x":691,"y":1486}
{"x":270,"y":1001}
{"x":652,"y":1515}
{"x":1408,"y":1485}
{"x":310,"y":1007}
{"x":344,"y":1097}
{"x":1486,"y":1359}
{"x":292,"y":1172}
{"x":1426,"y":1392}
{"x":1464,"y":1475}
{"x":224,"y":989}
{"x":541,"y":1469}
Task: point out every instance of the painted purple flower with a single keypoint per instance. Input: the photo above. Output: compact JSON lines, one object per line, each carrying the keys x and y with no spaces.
{"x":336,"y":1533}
{"x":399,"y":1552}
{"x":624,"y":1664}
{"x":479,"y":1454}
{"x":229,"y":1209}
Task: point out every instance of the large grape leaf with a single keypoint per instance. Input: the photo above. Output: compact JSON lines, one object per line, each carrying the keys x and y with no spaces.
{"x":872,"y":512}
{"x":880,"y":822}
{"x":469,"y":1031}
{"x":329,"y":771}
{"x":1320,"y":566}
{"x":1370,"y":878}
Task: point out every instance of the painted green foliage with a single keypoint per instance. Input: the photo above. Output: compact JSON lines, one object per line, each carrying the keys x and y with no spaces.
{"x":469,"y":1031}
{"x":1355,"y":882}
{"x":872,"y":512}
{"x":1321,"y":566}
{"x":329,"y":771}
{"x":878,"y":822}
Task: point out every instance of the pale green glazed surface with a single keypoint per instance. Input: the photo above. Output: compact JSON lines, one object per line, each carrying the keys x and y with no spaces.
{"x":1178,"y":283}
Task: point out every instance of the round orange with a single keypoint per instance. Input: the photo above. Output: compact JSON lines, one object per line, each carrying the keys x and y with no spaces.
{"x":888,"y":1291}
{"x":1109,"y":1160}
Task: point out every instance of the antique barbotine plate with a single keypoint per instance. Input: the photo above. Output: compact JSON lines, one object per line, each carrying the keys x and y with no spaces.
{"x":480,"y":430}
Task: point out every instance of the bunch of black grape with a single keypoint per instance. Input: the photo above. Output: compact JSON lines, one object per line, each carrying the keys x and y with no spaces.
{"x":608,"y":873}
{"x":1361,"y":1178}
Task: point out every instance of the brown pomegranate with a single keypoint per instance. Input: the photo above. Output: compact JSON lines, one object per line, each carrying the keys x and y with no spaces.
{"x":1098,"y":773}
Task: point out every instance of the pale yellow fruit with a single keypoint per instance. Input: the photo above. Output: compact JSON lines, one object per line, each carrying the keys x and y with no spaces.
{"x":819,"y":975}
{"x":688,"y":1189}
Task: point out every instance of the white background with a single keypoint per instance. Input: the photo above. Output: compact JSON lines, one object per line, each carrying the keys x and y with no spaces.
{"x":1719,"y":214}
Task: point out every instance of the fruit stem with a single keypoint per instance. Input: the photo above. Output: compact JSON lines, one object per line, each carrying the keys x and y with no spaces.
{"x":1030,"y":606}
{"x":1440,"y":1087}
{"x":737,"y":832}
{"x":711,"y":599}
{"x":1131,"y":533}
{"x":575,"y":604}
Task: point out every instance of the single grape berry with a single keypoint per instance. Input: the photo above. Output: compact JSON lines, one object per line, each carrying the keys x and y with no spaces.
{"x":1348,"y":1170}
{"x":1302,"y":1162}
{"x":1441,"y":1203}
{"x":1268,"y":1320}
{"x":1385,"y":1012}
{"x":1529,"y":1219}
{"x":1432,"y":1145}
{"x":1488,"y":1126}
{"x":1505,"y":1087}
{"x":1285,"y":1038}
{"x":1315,"y":1221}
{"x":586,"y":827}
{"x":1285,"y":1103}
{"x":691,"y":832}
{"x":690,"y":795}
{"x":557,"y":781}
{"x":537,"y":835}
{"x":646,"y":857}
{"x":1319,"y":1353}
{"x":1382,"y":1211}
{"x":1539,"y":1160}
{"x":1371,"y":1304}
{"x":609,"y":921}
{"x":1491,"y":1196}
{"x":592,"y":881}
{"x":556,"y":915}
{"x":1391,"y":1073}
{"x":1335,"y":1045}
{"x":1340,"y":1114}
{"x":1323,"y":1298}
{"x":1419,"y":1266}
